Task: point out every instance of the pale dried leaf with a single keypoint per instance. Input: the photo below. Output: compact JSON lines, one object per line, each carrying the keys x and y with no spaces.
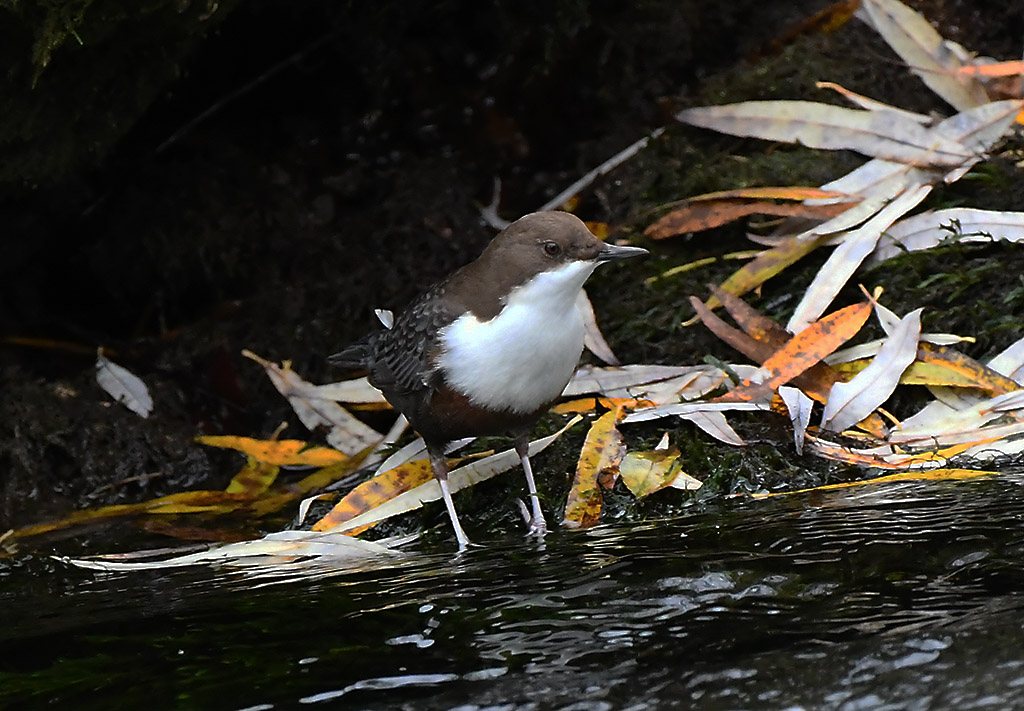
{"x":283,"y":550}
{"x":686,"y":482}
{"x":800,"y":407}
{"x":123,"y":385}
{"x":689,"y":408}
{"x":1010,"y":362}
{"x":845,"y":259}
{"x":700,"y":381}
{"x":345,"y":432}
{"x":925,"y":52}
{"x":877,"y":134}
{"x":881,"y":178}
{"x":958,"y":224}
{"x":969,"y":419}
{"x":715,"y":424}
{"x":870,"y":104}
{"x":356,"y":391}
{"x":594,"y":379}
{"x":849,"y":403}
{"x":979,"y":129}
{"x":593,"y":339}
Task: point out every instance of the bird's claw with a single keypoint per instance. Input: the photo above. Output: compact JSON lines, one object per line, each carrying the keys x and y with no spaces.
{"x":535,"y":524}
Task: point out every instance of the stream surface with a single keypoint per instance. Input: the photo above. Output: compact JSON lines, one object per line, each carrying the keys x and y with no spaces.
{"x":899,"y":596}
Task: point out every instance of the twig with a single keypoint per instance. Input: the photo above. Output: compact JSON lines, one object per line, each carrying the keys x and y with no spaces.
{"x":490,"y":212}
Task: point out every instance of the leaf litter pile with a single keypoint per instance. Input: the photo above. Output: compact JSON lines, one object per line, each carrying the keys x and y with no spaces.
{"x":833,"y":393}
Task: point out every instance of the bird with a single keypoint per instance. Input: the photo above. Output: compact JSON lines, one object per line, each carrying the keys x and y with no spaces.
{"x":488,"y":349}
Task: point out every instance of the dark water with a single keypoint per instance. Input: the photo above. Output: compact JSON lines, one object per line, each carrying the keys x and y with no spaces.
{"x":906,"y":596}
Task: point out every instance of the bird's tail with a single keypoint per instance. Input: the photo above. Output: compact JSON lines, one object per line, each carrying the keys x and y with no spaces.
{"x":355,"y":357}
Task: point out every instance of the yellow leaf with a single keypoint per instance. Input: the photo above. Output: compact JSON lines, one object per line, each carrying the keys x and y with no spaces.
{"x":601,"y":454}
{"x":286,"y":452}
{"x":647,"y":472}
{"x":254,"y":478}
{"x":980,"y":376}
{"x":929,"y":475}
{"x":184,"y":502}
{"x":374,"y":492}
{"x":766,"y":265}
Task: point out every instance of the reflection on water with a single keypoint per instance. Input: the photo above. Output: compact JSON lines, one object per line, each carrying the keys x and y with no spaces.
{"x":899,"y":597}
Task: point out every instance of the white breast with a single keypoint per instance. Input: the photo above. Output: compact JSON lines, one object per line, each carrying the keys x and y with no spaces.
{"x":523,"y":357}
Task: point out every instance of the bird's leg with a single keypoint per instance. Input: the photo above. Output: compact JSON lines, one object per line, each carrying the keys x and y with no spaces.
{"x":536,"y":522}
{"x":439,"y":465}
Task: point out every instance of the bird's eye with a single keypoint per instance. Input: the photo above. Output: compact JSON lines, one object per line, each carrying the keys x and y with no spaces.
{"x":552,"y":249}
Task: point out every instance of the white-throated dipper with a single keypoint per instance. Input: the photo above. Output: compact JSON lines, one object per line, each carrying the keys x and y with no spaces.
{"x":488,"y":349}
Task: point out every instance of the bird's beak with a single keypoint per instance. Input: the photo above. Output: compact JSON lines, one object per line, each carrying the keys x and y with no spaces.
{"x":614,"y":251}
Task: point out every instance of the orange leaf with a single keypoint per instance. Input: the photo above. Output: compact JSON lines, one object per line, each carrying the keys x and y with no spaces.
{"x":713,"y":209}
{"x":999,"y":69}
{"x":602,"y":451}
{"x":376,"y":491}
{"x":281,"y":452}
{"x":803,"y":350}
{"x":580,"y":405}
{"x":763,"y":338}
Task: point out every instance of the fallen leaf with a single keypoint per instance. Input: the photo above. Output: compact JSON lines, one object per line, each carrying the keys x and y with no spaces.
{"x":275,"y":553}
{"x":931,"y":475}
{"x":851,"y":402}
{"x":802,"y":351}
{"x":816,"y":125}
{"x":286,"y":452}
{"x":615,"y":380}
{"x":593,"y":339}
{"x":713,"y":209}
{"x":254,"y":478}
{"x":182,"y":502}
{"x":1013,"y":67}
{"x":376,"y":491}
{"x":981,"y":376}
{"x":602,"y":451}
{"x":357,"y":391}
{"x":579,"y":406}
{"x":799,"y":407}
{"x":979,"y":129}
{"x":959,"y":224}
{"x":644,"y":473}
{"x":123,"y":385}
{"x":924,"y":50}
{"x":345,"y":432}
{"x":872,"y":105}
{"x":766,"y":265}
{"x":843,"y":262}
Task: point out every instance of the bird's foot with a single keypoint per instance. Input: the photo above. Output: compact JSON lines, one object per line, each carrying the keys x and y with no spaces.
{"x":535,"y":523}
